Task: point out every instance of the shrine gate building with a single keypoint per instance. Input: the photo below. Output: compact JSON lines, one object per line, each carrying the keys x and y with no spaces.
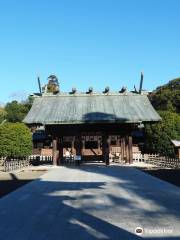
{"x":91,"y":125}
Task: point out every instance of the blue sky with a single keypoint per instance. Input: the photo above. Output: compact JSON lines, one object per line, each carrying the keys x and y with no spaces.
{"x":87,"y":43}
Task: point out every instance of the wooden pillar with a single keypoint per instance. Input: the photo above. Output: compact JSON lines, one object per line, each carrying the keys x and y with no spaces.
{"x":83,"y":147}
{"x":127,"y":149}
{"x":130,"y":145}
{"x":78,"y":145}
{"x":57,"y":152}
{"x":99,"y":145}
{"x":60,"y":159}
{"x":119,"y":145}
{"x":123,"y":148}
{"x":54,"y":151}
{"x":106,"y":149}
{"x":72,"y":147}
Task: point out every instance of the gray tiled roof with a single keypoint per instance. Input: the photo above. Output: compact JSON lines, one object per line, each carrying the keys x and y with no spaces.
{"x":176,"y":143}
{"x":81,"y":108}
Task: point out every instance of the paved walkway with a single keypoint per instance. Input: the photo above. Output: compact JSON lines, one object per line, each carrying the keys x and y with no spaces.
{"x":91,"y":202}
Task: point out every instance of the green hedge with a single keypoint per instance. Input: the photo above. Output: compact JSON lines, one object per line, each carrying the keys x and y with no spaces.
{"x":15,"y":140}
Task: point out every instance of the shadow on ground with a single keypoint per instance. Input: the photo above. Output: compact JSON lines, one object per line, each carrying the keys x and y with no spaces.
{"x":169,"y":175}
{"x":9,"y":182}
{"x":55,"y":210}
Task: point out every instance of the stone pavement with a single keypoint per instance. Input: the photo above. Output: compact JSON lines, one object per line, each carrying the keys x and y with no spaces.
{"x":91,"y":202}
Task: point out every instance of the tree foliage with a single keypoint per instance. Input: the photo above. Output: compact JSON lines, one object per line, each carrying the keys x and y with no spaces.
{"x":159,"y":135}
{"x":15,"y":140}
{"x":167,"y":97}
{"x":3,"y":114}
{"x":16,"y":111}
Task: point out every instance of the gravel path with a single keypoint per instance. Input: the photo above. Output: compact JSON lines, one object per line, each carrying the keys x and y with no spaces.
{"x":91,"y":202}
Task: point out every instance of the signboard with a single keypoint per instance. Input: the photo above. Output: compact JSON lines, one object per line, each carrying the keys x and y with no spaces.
{"x":77,"y":158}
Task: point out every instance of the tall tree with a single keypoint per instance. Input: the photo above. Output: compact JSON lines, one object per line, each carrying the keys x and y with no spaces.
{"x":167,"y":97}
{"x":16,"y":111}
{"x":159,"y":135}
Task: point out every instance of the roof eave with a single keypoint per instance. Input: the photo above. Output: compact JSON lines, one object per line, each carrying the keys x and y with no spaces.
{"x":94,"y":122}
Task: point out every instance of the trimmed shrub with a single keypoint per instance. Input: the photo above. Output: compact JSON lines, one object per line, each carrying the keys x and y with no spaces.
{"x":15,"y":140}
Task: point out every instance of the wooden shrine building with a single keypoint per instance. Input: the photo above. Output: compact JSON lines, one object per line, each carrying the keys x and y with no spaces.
{"x":91,"y":125}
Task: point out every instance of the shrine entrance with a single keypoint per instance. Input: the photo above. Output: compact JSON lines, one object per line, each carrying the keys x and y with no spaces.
{"x":95,"y":147}
{"x":92,"y":146}
{"x":88,"y":145}
{"x":92,"y":143}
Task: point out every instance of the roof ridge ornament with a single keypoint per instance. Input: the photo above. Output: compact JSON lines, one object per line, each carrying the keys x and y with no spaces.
{"x":53,"y":84}
{"x":73,"y":91}
{"x":141,"y":83}
{"x":106,"y":90}
{"x":90,"y":90}
{"x":123,"y":90}
{"x":39,"y":84}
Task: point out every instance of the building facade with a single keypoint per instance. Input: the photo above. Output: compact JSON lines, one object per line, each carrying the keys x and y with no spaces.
{"x":95,"y":126}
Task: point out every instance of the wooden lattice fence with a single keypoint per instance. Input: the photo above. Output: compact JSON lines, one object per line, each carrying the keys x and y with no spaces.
{"x":157,"y":160}
{"x":2,"y":160}
{"x":15,"y":163}
{"x":11,"y":164}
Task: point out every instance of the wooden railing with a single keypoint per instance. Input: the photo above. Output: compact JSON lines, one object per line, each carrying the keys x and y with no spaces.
{"x":15,"y":163}
{"x":11,"y":164}
{"x":157,"y":160}
{"x":2,"y":162}
{"x":39,"y":159}
{"x":138,"y":157}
